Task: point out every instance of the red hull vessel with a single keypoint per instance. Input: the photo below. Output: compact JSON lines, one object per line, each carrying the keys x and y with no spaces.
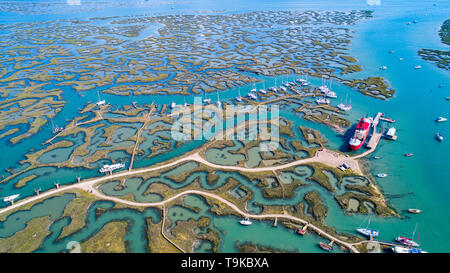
{"x":362,"y":129}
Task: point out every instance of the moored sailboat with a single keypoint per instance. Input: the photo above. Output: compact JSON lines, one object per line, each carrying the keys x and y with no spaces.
{"x":367,"y":231}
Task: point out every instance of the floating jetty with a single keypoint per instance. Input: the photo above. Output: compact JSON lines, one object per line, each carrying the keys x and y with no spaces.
{"x":375,"y":138}
{"x":390,"y":134}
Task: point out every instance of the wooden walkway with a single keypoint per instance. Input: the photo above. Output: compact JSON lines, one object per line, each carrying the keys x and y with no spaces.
{"x":138,"y":135}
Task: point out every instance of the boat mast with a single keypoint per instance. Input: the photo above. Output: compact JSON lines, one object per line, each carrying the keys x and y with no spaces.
{"x":368,"y":223}
{"x":414,"y":233}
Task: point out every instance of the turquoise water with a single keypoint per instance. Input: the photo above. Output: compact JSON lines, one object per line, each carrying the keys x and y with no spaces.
{"x":422,"y":180}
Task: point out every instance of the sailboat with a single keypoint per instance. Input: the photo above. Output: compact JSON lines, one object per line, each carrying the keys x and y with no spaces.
{"x":345,"y":106}
{"x":245,"y":222}
{"x":239,"y":98}
{"x":330,"y":93}
{"x":100,"y":102}
{"x":254,"y":88}
{"x":305,"y":81}
{"x":415,"y":211}
{"x":322,"y":101}
{"x":10,"y":198}
{"x":323,"y":88}
{"x":400,"y":249}
{"x":56,"y":129}
{"x":207,"y":100}
{"x":367,"y":231}
{"x":218,"y":103}
{"x":252,"y":96}
{"x":408,"y":241}
{"x":275,"y":88}
{"x":262,"y":90}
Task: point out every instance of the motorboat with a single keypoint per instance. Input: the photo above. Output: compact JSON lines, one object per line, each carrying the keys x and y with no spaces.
{"x":381,"y":175}
{"x":440,"y":119}
{"x":439,"y":137}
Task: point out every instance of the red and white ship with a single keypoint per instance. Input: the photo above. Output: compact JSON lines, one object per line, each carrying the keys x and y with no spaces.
{"x":362,"y":129}
{"x":406,"y":241}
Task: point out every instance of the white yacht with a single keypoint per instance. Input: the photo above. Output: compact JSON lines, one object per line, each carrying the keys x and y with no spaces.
{"x":417,"y":67}
{"x":100,"y":102}
{"x":245,"y":222}
{"x":383,"y":67}
{"x":10,"y":198}
{"x":440,"y":119}
{"x":239,"y":98}
{"x":401,"y":249}
{"x":218,"y":103}
{"x":107,"y":168}
{"x":381,"y":175}
{"x":344,"y":107}
{"x":322,"y":101}
{"x":331,"y":94}
{"x":252,"y":96}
